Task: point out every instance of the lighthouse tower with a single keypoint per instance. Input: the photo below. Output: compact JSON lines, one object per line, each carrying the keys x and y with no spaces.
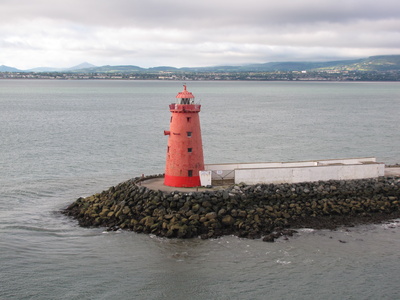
{"x":185,"y":149}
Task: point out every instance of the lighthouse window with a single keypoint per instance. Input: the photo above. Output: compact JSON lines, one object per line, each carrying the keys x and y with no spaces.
{"x":170,"y":120}
{"x":190,"y":173}
{"x":189,"y":133}
{"x":189,"y":150}
{"x":168,"y":149}
{"x":188,"y":119}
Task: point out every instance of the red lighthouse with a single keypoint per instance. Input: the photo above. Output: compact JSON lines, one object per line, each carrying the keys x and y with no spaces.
{"x":185,"y":149}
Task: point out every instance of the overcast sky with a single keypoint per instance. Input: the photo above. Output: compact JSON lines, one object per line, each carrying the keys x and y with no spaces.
{"x":148,"y":33}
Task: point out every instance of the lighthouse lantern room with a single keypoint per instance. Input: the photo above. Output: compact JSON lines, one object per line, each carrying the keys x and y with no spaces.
{"x":185,"y":149}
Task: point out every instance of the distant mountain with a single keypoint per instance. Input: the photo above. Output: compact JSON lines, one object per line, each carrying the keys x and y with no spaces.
{"x":81,"y":66}
{"x":4,"y":68}
{"x":373,"y":63}
{"x":163,"y":69}
{"x":49,"y":69}
{"x":296,"y":66}
{"x":110,"y":69}
{"x":43,"y":69}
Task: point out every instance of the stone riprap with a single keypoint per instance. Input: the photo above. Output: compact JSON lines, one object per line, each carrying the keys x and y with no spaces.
{"x":251,"y":211}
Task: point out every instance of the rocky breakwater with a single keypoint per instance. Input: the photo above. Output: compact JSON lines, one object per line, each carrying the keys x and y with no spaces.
{"x":253,"y":211}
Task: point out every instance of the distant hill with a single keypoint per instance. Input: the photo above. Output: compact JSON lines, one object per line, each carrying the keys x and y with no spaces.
{"x":43,"y":69}
{"x":49,"y":69}
{"x":110,"y":69}
{"x":81,"y":66}
{"x":297,"y":66}
{"x":272,"y":67}
{"x":4,"y":68}
{"x":124,"y":69}
{"x":373,"y":63}
{"x":163,"y":69}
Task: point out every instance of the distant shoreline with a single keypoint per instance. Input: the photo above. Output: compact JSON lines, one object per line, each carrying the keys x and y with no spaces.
{"x":124,"y":79}
{"x":350,"y":76}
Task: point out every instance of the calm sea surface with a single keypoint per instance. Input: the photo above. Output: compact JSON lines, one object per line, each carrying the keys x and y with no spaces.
{"x":60,"y":140}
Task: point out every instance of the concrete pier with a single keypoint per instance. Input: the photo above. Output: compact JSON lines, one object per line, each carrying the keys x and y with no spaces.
{"x":295,"y":172}
{"x":158,"y":183}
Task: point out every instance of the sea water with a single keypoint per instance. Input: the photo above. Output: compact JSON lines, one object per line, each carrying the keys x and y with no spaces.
{"x":64,"y":139}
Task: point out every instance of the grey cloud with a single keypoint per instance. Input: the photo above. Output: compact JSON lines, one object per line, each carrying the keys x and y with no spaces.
{"x":179,"y":13}
{"x":195,"y":33}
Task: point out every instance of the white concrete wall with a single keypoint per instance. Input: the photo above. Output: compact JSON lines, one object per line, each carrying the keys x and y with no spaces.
{"x":347,"y":161}
{"x":226,"y":171}
{"x":292,"y":172}
{"x":304,"y":174}
{"x":258,"y":165}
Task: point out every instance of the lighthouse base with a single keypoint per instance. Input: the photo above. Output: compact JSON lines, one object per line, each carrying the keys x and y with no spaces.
{"x":182,"y":181}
